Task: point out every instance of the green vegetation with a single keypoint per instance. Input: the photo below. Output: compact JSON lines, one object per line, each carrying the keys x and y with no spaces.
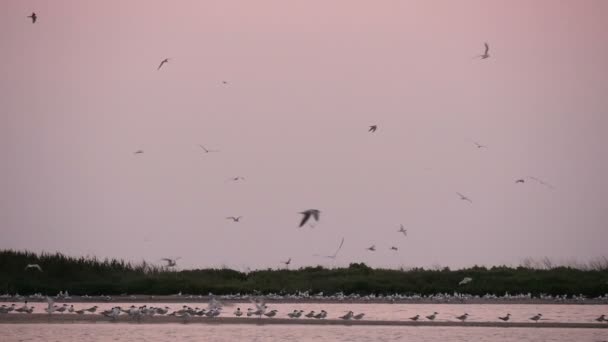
{"x":110,"y":277}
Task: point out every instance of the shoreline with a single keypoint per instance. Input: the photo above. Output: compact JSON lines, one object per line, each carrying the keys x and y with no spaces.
{"x":41,"y":318}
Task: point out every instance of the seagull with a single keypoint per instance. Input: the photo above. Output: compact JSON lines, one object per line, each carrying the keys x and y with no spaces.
{"x":536,"y":318}
{"x":33,"y":17}
{"x":485,"y":54}
{"x":138,"y":152}
{"x":348,"y":315}
{"x":166,"y":60}
{"x":372,"y":248}
{"x":235,"y":219}
{"x":170,"y":262}
{"x":92,"y":309}
{"x":372,"y":128}
{"x":359,"y":316}
{"x":36,"y":266}
{"x":463,"y":197}
{"x":462,"y":318}
{"x":602,"y":318}
{"x":271,"y":314}
{"x":206,"y":150}
{"x":286,"y":262}
{"x":402,"y":230}
{"x":310,"y":314}
{"x":293,"y":314}
{"x":335,"y":253}
{"x":308,"y":214}
{"x":415,"y":318}
{"x":433,"y":316}
{"x":521,"y":180}
{"x":505,"y":318}
{"x":466,"y":280}
{"x":235,"y":179}
{"x":238,"y":312}
{"x":479,"y":145}
{"x":394,"y":248}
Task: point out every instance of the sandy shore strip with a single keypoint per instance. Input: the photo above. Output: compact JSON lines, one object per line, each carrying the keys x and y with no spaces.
{"x":205,"y":299}
{"x":41,"y":318}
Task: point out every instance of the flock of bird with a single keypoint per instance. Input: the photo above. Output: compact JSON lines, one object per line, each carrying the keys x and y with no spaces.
{"x":215,"y":308}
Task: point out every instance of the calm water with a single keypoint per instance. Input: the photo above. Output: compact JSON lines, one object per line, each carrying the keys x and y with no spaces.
{"x":279,"y":333}
{"x":401,"y":312}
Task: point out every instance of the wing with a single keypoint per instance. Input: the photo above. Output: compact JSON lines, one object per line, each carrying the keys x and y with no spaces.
{"x":304,"y":219}
{"x":487,"y":48}
{"x":461,"y":195}
{"x":316,"y":215}
{"x":339,"y":247}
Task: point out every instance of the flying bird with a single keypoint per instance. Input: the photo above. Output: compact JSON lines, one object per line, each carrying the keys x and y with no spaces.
{"x":402,"y":230}
{"x":33,"y":17}
{"x":206,"y":150}
{"x":36,"y":266}
{"x":542,"y":182}
{"x":394,"y":248}
{"x":138,"y":152}
{"x":308,"y":214}
{"x":286,"y":262}
{"x":166,"y":60}
{"x":372,"y":248}
{"x":521,"y":180}
{"x":170,"y":262}
{"x":466,"y":280}
{"x":335,"y":253}
{"x":235,"y":219}
{"x":236,"y":179}
{"x":479,"y":145}
{"x":485,"y":54}
{"x":464,"y":198}
{"x":372,"y":128}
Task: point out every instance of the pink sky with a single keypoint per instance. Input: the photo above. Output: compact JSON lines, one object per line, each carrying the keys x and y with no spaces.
{"x":80,"y":92}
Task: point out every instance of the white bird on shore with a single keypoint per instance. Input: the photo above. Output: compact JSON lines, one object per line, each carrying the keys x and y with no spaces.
{"x":462,"y":318}
{"x":466,"y":280}
{"x":293,"y":314}
{"x":310,"y":314}
{"x":298,"y":314}
{"x":348,"y":315}
{"x":271,"y":314}
{"x":433,"y":316}
{"x":505,"y":318}
{"x":33,"y":266}
{"x":238,"y":312}
{"x":536,"y":318}
{"x":321,"y":315}
{"x":359,"y":316}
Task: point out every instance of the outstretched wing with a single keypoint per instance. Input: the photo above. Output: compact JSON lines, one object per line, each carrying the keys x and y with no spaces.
{"x":487,"y":48}
{"x":305,"y":218}
{"x":315,"y":214}
{"x":337,"y":250}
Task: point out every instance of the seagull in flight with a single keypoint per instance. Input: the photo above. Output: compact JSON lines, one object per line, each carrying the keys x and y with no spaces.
{"x":138,"y":152}
{"x":33,"y":17}
{"x":521,"y":180}
{"x":36,"y":266}
{"x":286,"y":262}
{"x":372,"y":128}
{"x":485,"y":54}
{"x":394,"y":248}
{"x":464,"y":198}
{"x":235,"y":219}
{"x":479,"y":145}
{"x":166,"y":60}
{"x":206,"y":150}
{"x":170,"y":262}
{"x":372,"y":248}
{"x":402,"y":230}
{"x":335,"y":253}
{"x":314,"y":213}
{"x":236,"y":179}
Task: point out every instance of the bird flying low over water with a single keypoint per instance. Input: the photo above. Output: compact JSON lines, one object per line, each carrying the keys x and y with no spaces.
{"x":372,"y":128}
{"x":314,"y":213}
{"x":166,"y":60}
{"x":34,"y":266}
{"x":333,"y":256}
{"x":464,"y":198}
{"x":485,"y":54}
{"x":33,"y":16}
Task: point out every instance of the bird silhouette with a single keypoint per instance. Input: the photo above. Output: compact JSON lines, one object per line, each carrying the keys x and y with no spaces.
{"x":333,"y":256}
{"x":235,"y":219}
{"x":394,"y":248}
{"x":372,"y":248}
{"x":33,"y":16}
{"x":286,"y":262}
{"x":138,"y":152}
{"x":166,"y":60}
{"x":479,"y":145}
{"x":520,"y":181}
{"x":171,"y":262}
{"x":464,"y":198}
{"x":372,"y":128}
{"x":206,"y":150}
{"x":485,"y":54}
{"x":402,"y":230}
{"x":314,"y":213}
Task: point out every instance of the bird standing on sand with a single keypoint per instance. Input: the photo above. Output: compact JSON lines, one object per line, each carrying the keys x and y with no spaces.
{"x":602,"y":318}
{"x":314,"y":213}
{"x":310,"y":314}
{"x":505,"y":318}
{"x":485,"y":54}
{"x":348,"y":315}
{"x":433,"y":316}
{"x":415,"y":318}
{"x":359,"y":316}
{"x":238,"y":312}
{"x":464,"y":198}
{"x":33,"y":16}
{"x":34,"y":266}
{"x":166,"y":60}
{"x":536,"y":318}
{"x":463,"y":318}
{"x":235,"y":219}
{"x":372,"y":128}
